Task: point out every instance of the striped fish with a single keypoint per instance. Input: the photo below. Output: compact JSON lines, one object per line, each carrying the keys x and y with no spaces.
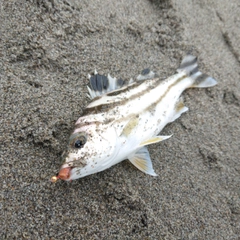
{"x":123,"y":118}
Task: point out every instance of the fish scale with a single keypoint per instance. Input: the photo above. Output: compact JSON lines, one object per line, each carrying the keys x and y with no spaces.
{"x":123,"y":118}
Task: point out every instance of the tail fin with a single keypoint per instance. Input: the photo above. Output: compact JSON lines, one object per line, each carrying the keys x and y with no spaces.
{"x":190,"y":67}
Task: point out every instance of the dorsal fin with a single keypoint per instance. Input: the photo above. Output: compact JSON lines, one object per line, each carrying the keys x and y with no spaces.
{"x":101,"y":84}
{"x":146,"y":74}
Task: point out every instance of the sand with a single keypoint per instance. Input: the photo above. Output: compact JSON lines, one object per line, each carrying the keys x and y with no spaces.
{"x":47,"y":48}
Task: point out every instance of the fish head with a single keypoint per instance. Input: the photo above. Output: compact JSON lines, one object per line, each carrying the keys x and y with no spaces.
{"x":90,"y":149}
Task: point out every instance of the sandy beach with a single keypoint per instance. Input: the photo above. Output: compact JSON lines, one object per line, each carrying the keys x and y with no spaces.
{"x":47,"y":49}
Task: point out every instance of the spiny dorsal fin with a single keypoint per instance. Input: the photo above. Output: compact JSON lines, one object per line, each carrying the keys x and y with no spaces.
{"x":141,"y":160}
{"x":101,"y":84}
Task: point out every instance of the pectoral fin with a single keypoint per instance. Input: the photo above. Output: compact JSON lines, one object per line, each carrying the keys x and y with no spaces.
{"x":154,"y":139}
{"x":141,"y":160}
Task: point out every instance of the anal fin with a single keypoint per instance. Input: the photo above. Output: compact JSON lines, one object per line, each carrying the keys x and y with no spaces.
{"x":141,"y":160}
{"x":179,"y":108}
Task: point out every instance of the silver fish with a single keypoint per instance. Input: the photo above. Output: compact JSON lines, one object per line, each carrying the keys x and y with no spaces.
{"x":123,"y":118}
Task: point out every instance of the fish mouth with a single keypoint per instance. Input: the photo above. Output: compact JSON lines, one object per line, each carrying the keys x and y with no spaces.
{"x":64,"y":174}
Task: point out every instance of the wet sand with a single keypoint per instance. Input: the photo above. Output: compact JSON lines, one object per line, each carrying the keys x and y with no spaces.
{"x":47,"y":48}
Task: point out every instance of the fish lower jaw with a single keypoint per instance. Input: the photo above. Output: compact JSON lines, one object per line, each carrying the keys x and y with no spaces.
{"x":64,"y":174}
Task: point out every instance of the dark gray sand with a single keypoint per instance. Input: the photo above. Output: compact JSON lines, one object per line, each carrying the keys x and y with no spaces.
{"x":47,"y":48}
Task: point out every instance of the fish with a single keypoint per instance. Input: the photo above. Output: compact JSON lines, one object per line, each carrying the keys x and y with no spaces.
{"x":124,"y":117}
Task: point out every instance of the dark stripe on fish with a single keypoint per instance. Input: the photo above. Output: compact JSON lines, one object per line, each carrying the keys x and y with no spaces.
{"x":103,"y":108}
{"x":123,"y":90}
{"x":97,"y":123}
{"x":153,"y":105}
{"x":98,"y":109}
{"x":79,"y":125}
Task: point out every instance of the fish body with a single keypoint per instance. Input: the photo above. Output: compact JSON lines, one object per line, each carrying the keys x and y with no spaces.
{"x":122,"y":119}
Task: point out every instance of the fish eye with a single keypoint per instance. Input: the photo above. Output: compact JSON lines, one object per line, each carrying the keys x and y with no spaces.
{"x":78,"y":140}
{"x":79,"y":143}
